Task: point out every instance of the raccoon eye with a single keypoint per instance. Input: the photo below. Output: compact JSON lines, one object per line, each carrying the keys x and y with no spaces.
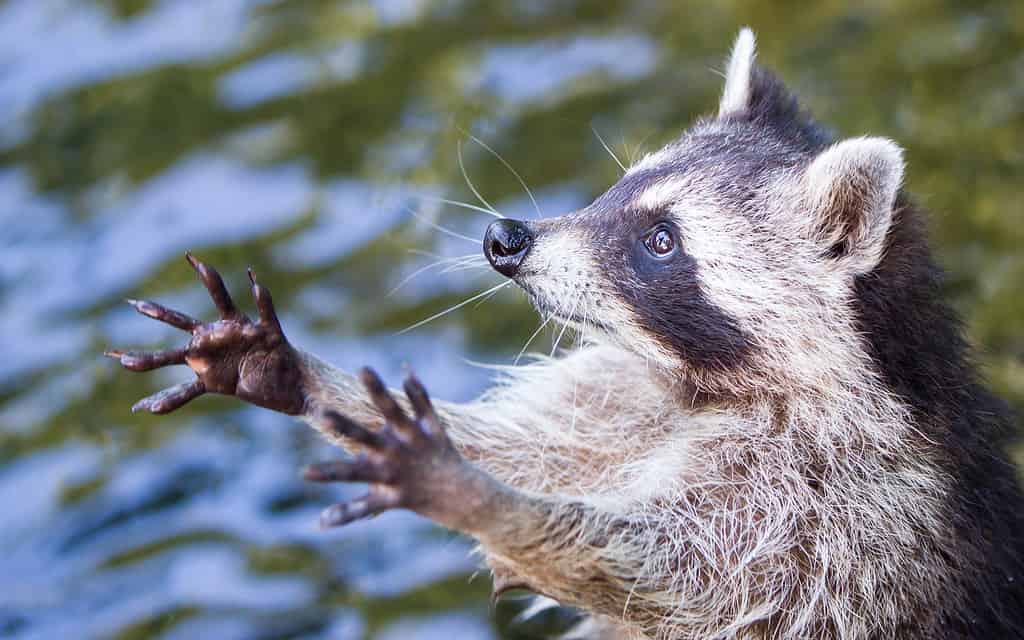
{"x":660,"y":242}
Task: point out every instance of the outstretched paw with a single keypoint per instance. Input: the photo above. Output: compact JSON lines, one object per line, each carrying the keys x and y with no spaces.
{"x":233,"y":355}
{"x":408,"y":463}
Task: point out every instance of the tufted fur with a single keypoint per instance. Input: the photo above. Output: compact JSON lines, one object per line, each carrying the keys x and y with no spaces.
{"x":776,"y":433}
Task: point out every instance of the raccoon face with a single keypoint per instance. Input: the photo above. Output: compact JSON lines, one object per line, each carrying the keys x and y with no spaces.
{"x":730,"y":254}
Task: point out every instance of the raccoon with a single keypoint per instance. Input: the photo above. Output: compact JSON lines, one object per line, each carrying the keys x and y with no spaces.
{"x":773,"y":428}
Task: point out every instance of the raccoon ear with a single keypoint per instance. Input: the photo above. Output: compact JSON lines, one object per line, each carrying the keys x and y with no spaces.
{"x":851,"y":188}
{"x":736,"y":95}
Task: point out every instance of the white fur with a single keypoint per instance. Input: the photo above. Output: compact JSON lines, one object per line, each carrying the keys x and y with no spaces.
{"x":735,"y":533}
{"x":736,"y":95}
{"x":662,"y":194}
{"x":648,"y":160}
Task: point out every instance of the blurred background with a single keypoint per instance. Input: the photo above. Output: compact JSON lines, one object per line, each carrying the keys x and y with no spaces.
{"x":301,"y":137}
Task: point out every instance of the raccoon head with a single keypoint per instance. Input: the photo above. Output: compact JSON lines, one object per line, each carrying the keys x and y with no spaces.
{"x":729,"y":256}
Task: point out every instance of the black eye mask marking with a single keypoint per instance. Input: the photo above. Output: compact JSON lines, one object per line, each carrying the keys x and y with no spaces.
{"x":665,"y":291}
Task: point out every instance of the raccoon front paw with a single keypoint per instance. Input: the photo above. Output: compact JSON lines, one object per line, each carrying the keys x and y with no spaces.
{"x":233,"y":355}
{"x":408,"y":463}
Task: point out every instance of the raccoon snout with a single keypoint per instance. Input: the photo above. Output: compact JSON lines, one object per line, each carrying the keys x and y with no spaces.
{"x":506,"y":243}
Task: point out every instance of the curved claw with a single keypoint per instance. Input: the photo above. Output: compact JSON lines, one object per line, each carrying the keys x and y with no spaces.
{"x":159,"y":312}
{"x":170,"y":399}
{"x":215,"y":285}
{"x":265,"y":304}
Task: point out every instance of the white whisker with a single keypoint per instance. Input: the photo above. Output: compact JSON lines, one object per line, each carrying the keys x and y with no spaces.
{"x":509,"y":167}
{"x":434,"y":225}
{"x":531,"y":339}
{"x":438,"y":263}
{"x":473,"y":257}
{"x":493,"y":293}
{"x":464,"y":205}
{"x":421,"y":252}
{"x":608,"y":149}
{"x":558,"y":339}
{"x":453,"y":308}
{"x":467,"y":263}
{"x":639,"y":148}
{"x":465,"y":267}
{"x":565,"y":325}
{"x":404,"y":281}
{"x":472,"y":187}
{"x":581,"y":333}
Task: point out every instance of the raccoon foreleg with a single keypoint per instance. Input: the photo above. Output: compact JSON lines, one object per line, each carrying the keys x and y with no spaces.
{"x":567,"y":549}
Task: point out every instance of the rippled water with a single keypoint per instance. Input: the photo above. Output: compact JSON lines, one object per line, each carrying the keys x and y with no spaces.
{"x":300,"y":136}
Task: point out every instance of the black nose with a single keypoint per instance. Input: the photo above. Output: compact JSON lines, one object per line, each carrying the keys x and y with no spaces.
{"x":506,"y":243}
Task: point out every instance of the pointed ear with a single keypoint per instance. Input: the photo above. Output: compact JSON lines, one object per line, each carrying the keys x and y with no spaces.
{"x":736,"y":95}
{"x":851,"y":189}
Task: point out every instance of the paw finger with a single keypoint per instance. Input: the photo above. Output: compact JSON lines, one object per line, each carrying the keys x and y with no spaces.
{"x":422,"y":407}
{"x":265,"y":304}
{"x":360,"y":469}
{"x":215,"y":285}
{"x":383,"y":400}
{"x":159,"y":312}
{"x":170,"y":399}
{"x":147,"y":360}
{"x":344,"y":427}
{"x":345,"y":512}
